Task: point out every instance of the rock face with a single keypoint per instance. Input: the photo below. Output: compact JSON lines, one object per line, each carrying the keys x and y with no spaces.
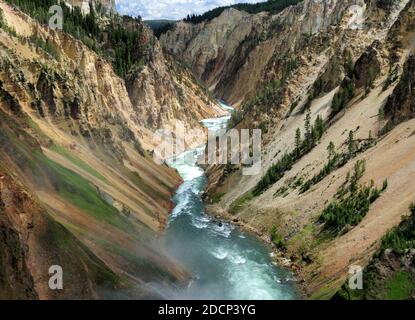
{"x":31,"y":242}
{"x":401,"y":104}
{"x":236,"y":51}
{"x":210,"y":47}
{"x":107,"y":5}
{"x":164,"y":92}
{"x":367,"y":67}
{"x":80,"y":188}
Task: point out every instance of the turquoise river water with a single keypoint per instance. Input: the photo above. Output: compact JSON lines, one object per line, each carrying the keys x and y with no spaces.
{"x":225,"y":262}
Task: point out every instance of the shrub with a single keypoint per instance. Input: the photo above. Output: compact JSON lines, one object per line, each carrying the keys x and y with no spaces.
{"x":274,"y":174}
{"x":277,"y":239}
{"x":402,"y":237}
{"x":267,"y":96}
{"x":236,"y":118}
{"x":124,"y":47}
{"x":352,"y":205}
{"x":45,"y":46}
{"x":240,"y":202}
{"x":391,"y":78}
{"x":276,"y":171}
{"x":343,"y":97}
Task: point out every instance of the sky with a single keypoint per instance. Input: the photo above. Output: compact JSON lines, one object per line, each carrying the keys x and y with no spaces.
{"x":170,"y":9}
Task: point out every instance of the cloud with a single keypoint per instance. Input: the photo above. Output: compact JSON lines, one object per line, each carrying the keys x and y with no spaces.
{"x":170,"y":9}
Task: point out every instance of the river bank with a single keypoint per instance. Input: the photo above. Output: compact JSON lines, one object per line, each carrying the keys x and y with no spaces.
{"x":279,"y":256}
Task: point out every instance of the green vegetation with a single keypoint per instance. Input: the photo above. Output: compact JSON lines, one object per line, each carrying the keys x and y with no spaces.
{"x":2,"y":20}
{"x":352,"y":204}
{"x":267,"y":96}
{"x":75,"y":23}
{"x":371,"y":79}
{"x":289,"y":66}
{"x":5,"y":26}
{"x":400,"y":286}
{"x":45,"y":46}
{"x":271,"y":6}
{"x":125,"y":47}
{"x":276,"y":172}
{"x":25,"y":153}
{"x":130,"y":47}
{"x":349,"y":64}
{"x":336,"y":161}
{"x":347,"y":87}
{"x":393,"y":75}
{"x":78,"y":162}
{"x":236,"y":118}
{"x":82,"y":194}
{"x":402,"y":237}
{"x":160,"y":27}
{"x":298,"y":142}
{"x":217,"y":197}
{"x":64,"y":246}
{"x":239,"y":203}
{"x":398,"y":282}
{"x":277,"y":239}
{"x":343,"y":96}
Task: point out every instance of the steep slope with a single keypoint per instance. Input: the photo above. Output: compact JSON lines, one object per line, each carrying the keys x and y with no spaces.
{"x":390,"y":275}
{"x":165,"y":93}
{"x":340,"y":94}
{"x":80,"y":188}
{"x":106,"y":5}
{"x":237,"y":53}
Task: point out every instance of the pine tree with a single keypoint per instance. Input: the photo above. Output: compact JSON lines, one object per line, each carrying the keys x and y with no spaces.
{"x":332,"y":150}
{"x":298,"y":142}
{"x":314,"y":136}
{"x":385,"y":185}
{"x":308,"y":129}
{"x":351,"y":143}
{"x":349,"y":65}
{"x":319,"y":126}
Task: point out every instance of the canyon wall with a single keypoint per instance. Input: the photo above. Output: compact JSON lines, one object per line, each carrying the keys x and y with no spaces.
{"x":80,"y":188}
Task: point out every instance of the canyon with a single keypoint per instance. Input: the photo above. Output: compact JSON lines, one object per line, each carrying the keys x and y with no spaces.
{"x":328,"y":82}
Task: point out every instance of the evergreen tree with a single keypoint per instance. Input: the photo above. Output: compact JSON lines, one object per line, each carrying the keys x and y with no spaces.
{"x":331,"y":150}
{"x":308,"y":129}
{"x":314,"y":136}
{"x":319,"y":127}
{"x":349,"y":65}
{"x":298,"y":142}
{"x":351,"y":144}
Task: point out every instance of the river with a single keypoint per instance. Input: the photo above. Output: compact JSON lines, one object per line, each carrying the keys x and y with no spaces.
{"x":225,"y":262}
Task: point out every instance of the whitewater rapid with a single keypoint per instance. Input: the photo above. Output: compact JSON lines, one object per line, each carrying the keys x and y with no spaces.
{"x":225,"y":262}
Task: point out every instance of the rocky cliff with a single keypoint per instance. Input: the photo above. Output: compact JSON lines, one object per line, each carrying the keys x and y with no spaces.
{"x":107,"y":5}
{"x":236,"y":52}
{"x":79,"y":187}
{"x":401,"y":104}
